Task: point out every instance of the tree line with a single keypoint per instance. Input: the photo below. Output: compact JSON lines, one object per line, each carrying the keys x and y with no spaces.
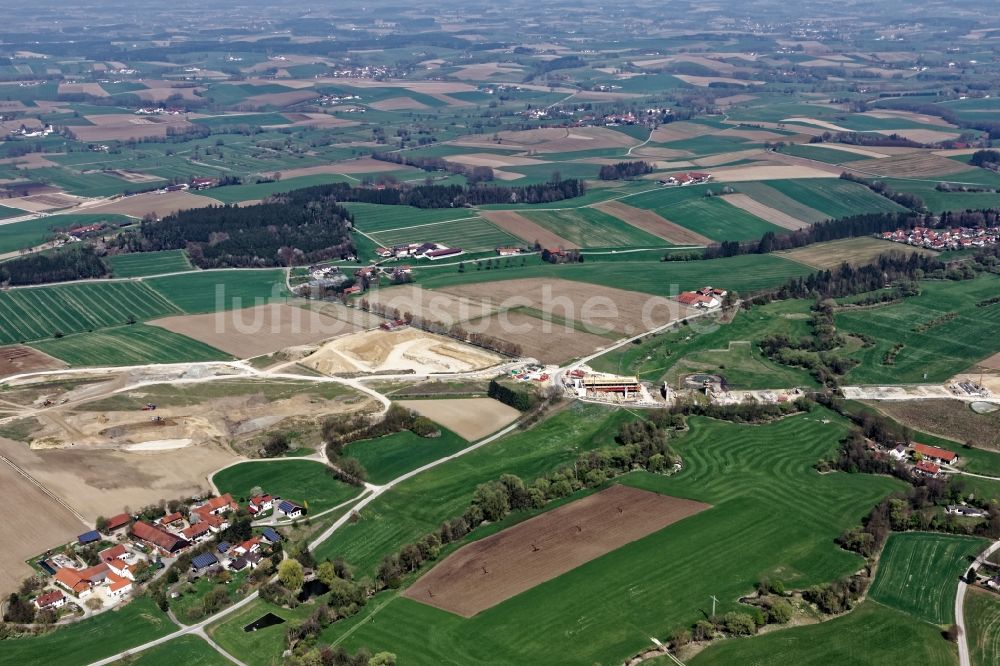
{"x":276,"y":232}
{"x":625,"y":170}
{"x":444,"y":196}
{"x":76,"y":263}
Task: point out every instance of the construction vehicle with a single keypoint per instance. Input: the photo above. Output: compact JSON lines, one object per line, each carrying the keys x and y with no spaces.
{"x":148,"y":407}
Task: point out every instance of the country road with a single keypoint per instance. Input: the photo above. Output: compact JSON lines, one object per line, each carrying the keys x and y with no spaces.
{"x":963,"y":640}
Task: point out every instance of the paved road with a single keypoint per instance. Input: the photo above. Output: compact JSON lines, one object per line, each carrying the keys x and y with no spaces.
{"x":963,"y":643}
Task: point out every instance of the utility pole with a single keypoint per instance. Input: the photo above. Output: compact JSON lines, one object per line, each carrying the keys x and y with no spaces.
{"x":714,"y":601}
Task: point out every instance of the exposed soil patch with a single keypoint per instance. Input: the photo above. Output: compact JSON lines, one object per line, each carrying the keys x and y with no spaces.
{"x":772,"y":215}
{"x":17,"y":359}
{"x":515,"y":223}
{"x":652,"y":223}
{"x":485,"y":573}
{"x":469,"y":418}
{"x":259,"y":330}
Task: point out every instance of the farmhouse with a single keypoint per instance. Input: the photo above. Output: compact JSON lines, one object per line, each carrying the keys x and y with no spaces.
{"x":967,"y":511}
{"x":936,"y":454}
{"x":684,"y":179}
{"x":927,"y":468}
{"x":158,"y":538}
{"x":214,"y":507}
{"x":73,"y":582}
{"x":51,"y":599}
{"x":197,"y":532}
{"x":118,"y":587}
{"x":202,"y":183}
{"x":171,"y":519}
{"x":898,"y":453}
{"x":508,"y":251}
{"x":118,"y":552}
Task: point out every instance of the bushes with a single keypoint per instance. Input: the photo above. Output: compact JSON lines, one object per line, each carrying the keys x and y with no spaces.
{"x":516,"y":397}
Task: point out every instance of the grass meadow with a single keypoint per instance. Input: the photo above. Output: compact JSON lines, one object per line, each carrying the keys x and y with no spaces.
{"x":589,"y":227}
{"x":870,"y":635}
{"x":129,"y":345}
{"x":982,"y":621}
{"x":93,"y":639}
{"x":303,"y":481}
{"x":472,"y":234}
{"x":386,"y":458}
{"x":743,"y":273}
{"x":209,"y":291}
{"x":187,"y":650}
{"x":918,"y":573}
{"x":934,"y":354}
{"x":142,"y":264}
{"x":833,"y":197}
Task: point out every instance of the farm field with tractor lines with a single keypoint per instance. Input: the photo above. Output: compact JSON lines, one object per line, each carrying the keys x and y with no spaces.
{"x":135,"y":344}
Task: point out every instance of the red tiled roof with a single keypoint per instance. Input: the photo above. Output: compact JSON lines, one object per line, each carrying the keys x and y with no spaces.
{"x":72,"y":580}
{"x":122,"y":519}
{"x":49,"y":598}
{"x":113,"y":553}
{"x":928,"y":467}
{"x":196,"y":530}
{"x":171,"y":518}
{"x":117,"y":582}
{"x":934,"y":452}
{"x":156,"y":536}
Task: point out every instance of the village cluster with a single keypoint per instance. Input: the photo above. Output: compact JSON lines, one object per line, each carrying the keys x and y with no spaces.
{"x":958,"y":238}
{"x":136,"y":550}
{"x":927,"y":461}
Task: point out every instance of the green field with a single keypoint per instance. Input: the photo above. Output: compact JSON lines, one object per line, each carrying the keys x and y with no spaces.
{"x":918,"y":573}
{"x":91,"y":640}
{"x":773,"y":516}
{"x":186,"y":650}
{"x":257,"y":648}
{"x":726,"y":349}
{"x":982,"y":622}
{"x":769,"y":196}
{"x":709,"y":216}
{"x":937,"y":353}
{"x":29,"y":233}
{"x":210,"y":291}
{"x":870,"y":635}
{"x":141,"y":264}
{"x":135,"y":344}
{"x":6,"y":212}
{"x":391,"y":456}
{"x":471,"y":234}
{"x":374,"y":218}
{"x":834,"y":197}
{"x":940,"y":202}
{"x":744,"y":273}
{"x":589,"y":227}
{"x":303,"y":481}
{"x":40,"y":312}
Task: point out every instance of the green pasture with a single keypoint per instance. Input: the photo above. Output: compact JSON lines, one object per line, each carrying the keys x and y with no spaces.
{"x":36,"y":313}
{"x":389,"y":457}
{"x":934,"y":354}
{"x":472,"y":234}
{"x":129,"y":345}
{"x":982,"y":617}
{"x":141,"y":264}
{"x":589,"y":227}
{"x":211,"y":291}
{"x":834,"y":197}
{"x":305,"y":482}
{"x":918,"y":573}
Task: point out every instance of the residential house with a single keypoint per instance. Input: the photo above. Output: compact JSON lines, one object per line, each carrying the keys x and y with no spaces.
{"x":260,"y":503}
{"x":118,"y":587}
{"x":927,"y":468}
{"x":694,"y":299}
{"x":251,"y":545}
{"x":936,"y":454}
{"x":290,"y":509}
{"x":213,"y":507}
{"x":159,"y":538}
{"x":122,"y":569}
{"x":898,"y":453}
{"x":73,"y":582}
{"x":51,"y":599}
{"x":174,"y":519}
{"x":270,"y":535}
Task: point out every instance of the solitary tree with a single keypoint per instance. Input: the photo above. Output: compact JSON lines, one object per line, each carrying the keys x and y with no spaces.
{"x":291,"y":575}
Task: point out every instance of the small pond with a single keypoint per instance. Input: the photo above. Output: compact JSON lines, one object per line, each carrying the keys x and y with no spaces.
{"x":313,"y":588}
{"x":268,"y":620}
